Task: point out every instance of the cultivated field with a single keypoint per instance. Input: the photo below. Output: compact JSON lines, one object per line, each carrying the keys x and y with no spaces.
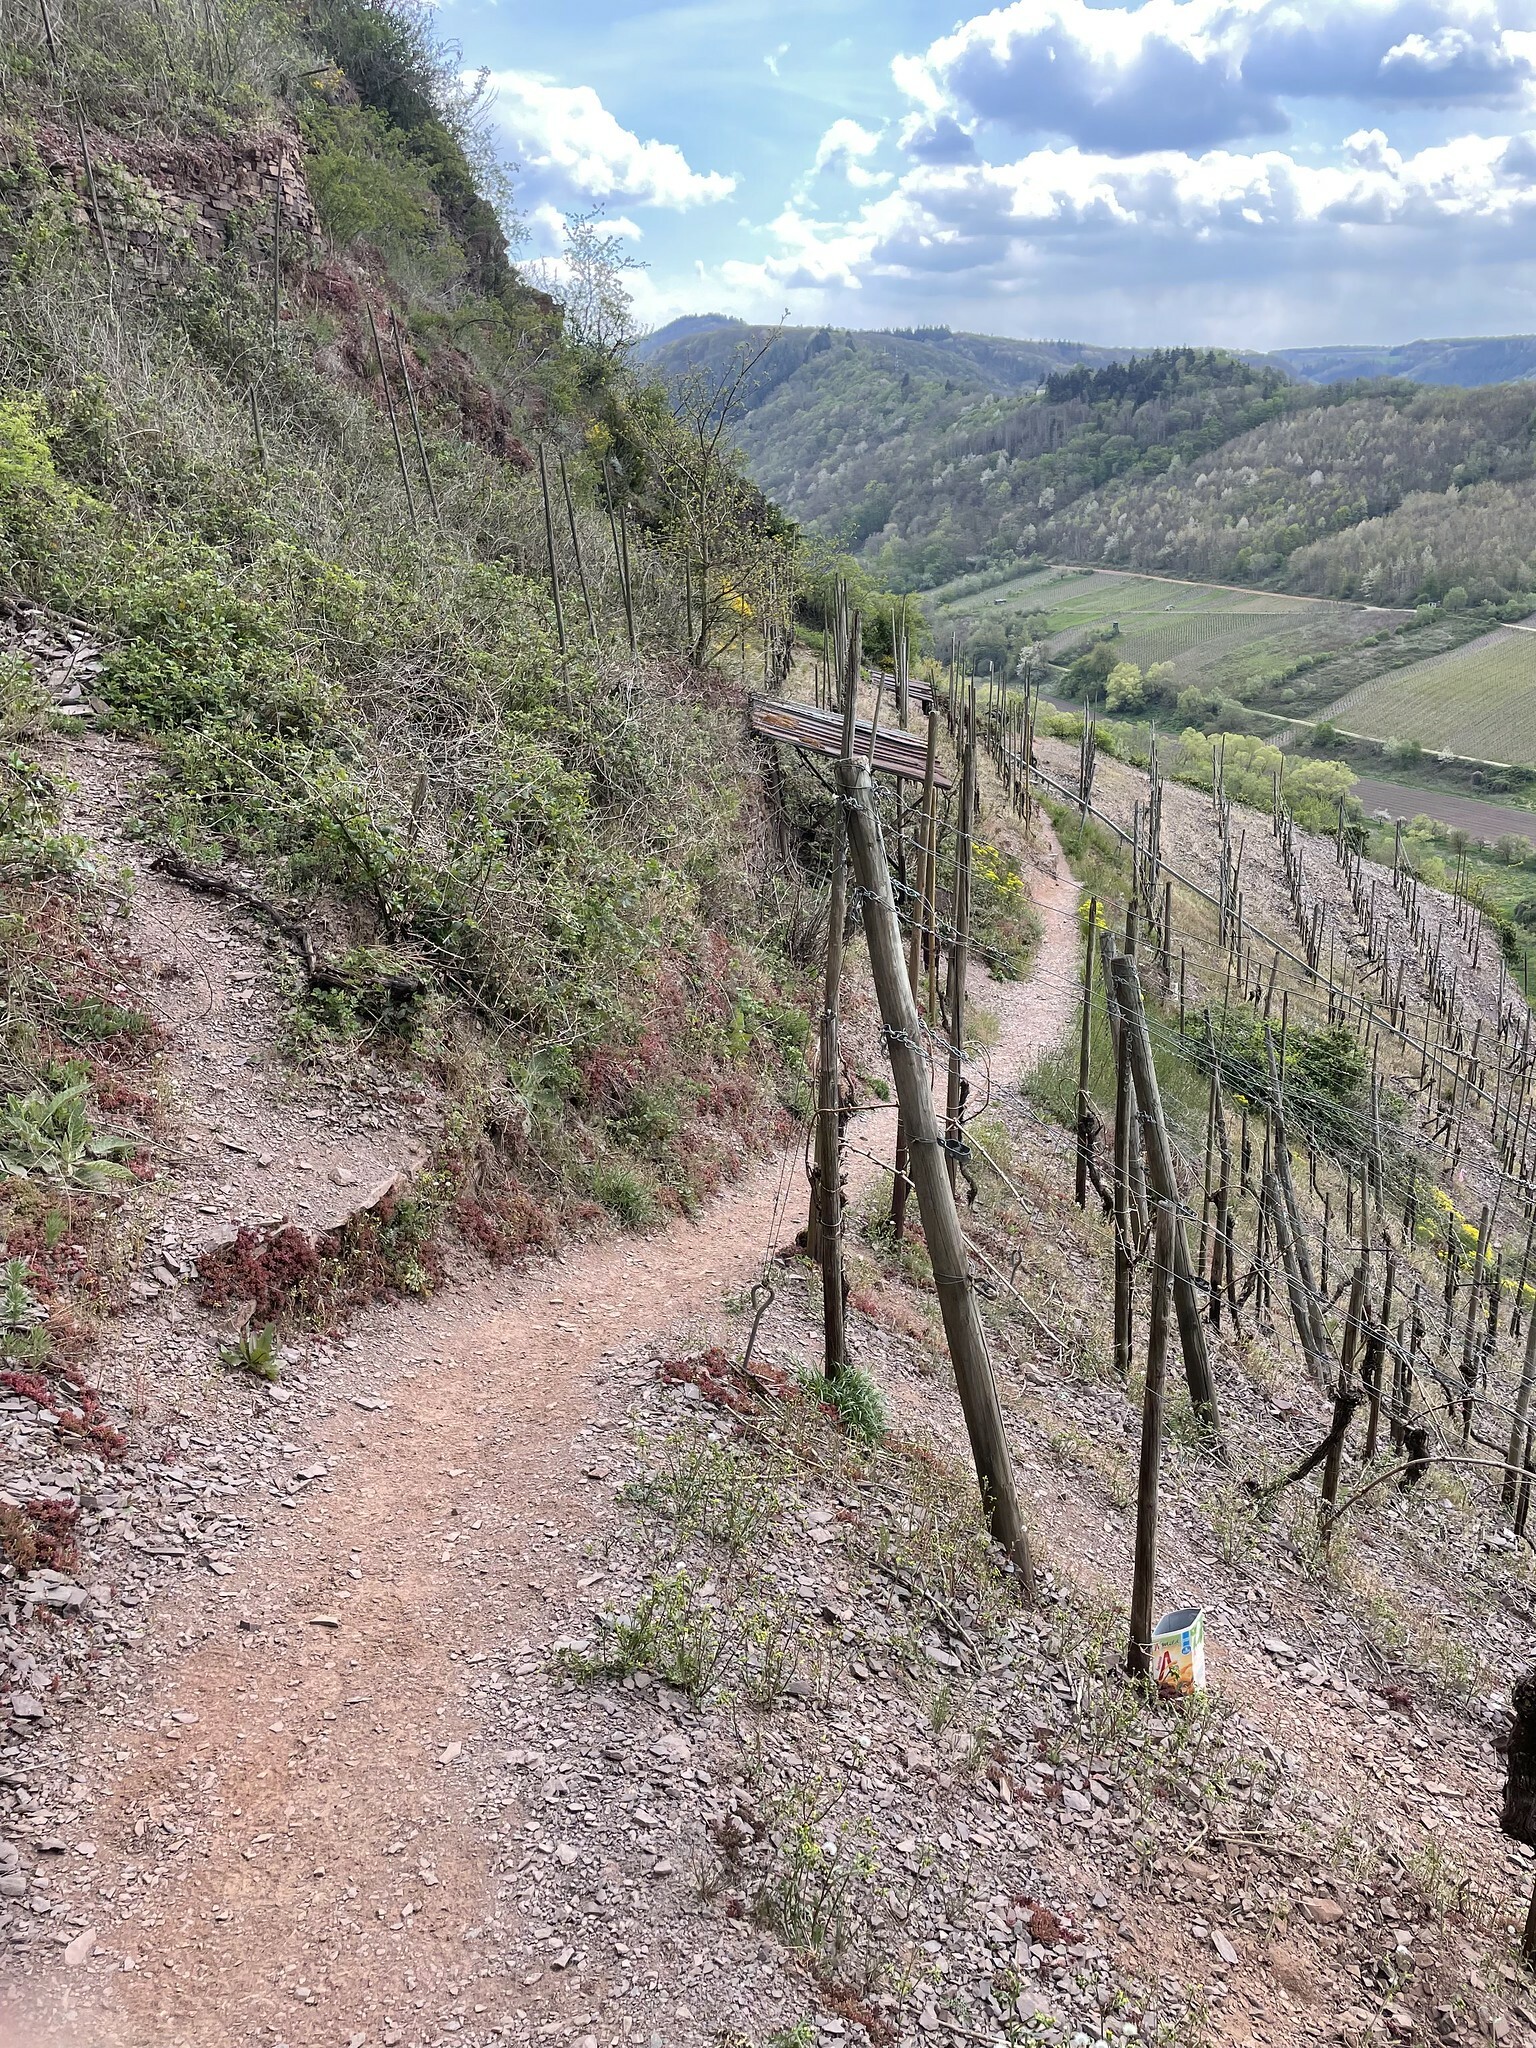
{"x":1478,"y":700}
{"x":1240,"y":643}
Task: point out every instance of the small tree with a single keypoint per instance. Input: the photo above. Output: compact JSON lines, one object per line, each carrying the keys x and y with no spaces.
{"x":1125,"y":688}
{"x":588,"y":284}
{"x":739,"y":552}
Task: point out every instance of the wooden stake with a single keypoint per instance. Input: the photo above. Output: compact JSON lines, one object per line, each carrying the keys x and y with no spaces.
{"x":1084,"y":1105}
{"x":1125,"y":1110}
{"x":1144,"y":1572}
{"x":829,"y":1162}
{"x":959,"y":950}
{"x":620,"y":566}
{"x":421,"y":446}
{"x":581,"y":574}
{"x":941,"y":1223}
{"x":549,"y":545}
{"x":920,"y":915}
{"x":1520,"y":1433}
{"x":394,"y":428}
{"x":1164,"y":1178}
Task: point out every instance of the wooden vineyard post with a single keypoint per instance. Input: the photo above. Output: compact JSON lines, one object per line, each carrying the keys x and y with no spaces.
{"x":421,"y":446}
{"x":1125,"y":1111}
{"x":1345,"y":1400}
{"x":963,"y":1328}
{"x":1469,"y":1352}
{"x":1084,"y":1105}
{"x":1375,"y":1361}
{"x":916,"y":937}
{"x":829,"y":1164}
{"x":1159,"y":1153}
{"x":828,"y":1124}
{"x":394,"y":428}
{"x":1223,"y":1265}
{"x":1519,"y":1433}
{"x":581,"y":574}
{"x":549,"y":545}
{"x":959,"y":949}
{"x":1205,"y":1194}
{"x":1144,"y":1571}
{"x":620,"y":557}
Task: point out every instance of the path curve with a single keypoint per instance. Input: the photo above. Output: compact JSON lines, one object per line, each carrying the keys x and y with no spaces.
{"x":310,"y":1775}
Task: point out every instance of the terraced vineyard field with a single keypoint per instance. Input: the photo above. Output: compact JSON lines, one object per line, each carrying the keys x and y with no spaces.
{"x":1232,"y":641}
{"x":1479,"y":700}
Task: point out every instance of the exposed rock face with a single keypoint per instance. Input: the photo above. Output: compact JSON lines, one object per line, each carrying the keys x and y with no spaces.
{"x":160,"y":199}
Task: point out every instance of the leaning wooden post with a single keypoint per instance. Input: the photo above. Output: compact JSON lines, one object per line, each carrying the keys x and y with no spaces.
{"x":829,"y":1162}
{"x":581,"y":574}
{"x":1160,"y":1167}
{"x":394,"y":426}
{"x":410,"y":399}
{"x":549,"y":546}
{"x":1144,"y":1572}
{"x":1519,"y":1428}
{"x":963,"y":1328}
{"x":960,"y":946}
{"x":900,"y":1181}
{"x":1084,"y":1105}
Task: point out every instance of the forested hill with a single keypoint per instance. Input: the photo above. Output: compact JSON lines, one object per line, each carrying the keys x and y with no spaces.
{"x":1391,"y":493}
{"x":1477,"y":359}
{"x":932,"y":455}
{"x":929,"y":452}
{"x":983,"y":362}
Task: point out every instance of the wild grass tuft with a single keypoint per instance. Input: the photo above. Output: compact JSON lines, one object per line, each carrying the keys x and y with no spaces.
{"x":853,"y":1397}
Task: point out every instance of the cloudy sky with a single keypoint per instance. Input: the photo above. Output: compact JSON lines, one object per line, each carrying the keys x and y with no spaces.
{"x":1254,"y":172}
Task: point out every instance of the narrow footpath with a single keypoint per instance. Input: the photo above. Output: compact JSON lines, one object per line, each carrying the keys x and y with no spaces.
{"x":247,"y":1778}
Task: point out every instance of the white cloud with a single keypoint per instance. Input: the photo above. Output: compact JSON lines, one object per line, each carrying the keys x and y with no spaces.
{"x":1189,"y":74}
{"x":1163,"y":222}
{"x":842,"y":151}
{"x":568,"y":142}
{"x":773,"y":56}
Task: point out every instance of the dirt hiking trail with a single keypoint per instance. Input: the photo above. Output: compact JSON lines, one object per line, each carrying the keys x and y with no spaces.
{"x":286,"y":1841}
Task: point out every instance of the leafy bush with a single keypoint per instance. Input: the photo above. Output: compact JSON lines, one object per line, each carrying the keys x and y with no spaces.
{"x":1125,"y":688}
{"x":1313,"y":790}
{"x":1323,"y":1079}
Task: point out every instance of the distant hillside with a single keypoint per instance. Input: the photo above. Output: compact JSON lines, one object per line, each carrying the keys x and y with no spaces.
{"x":1482,"y":359}
{"x":982,"y":361}
{"x":930,"y":453}
{"x":1388,"y":494}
